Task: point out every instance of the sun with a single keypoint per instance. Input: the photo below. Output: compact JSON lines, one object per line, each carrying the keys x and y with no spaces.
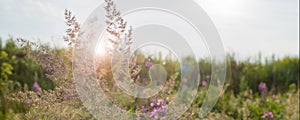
{"x":100,"y":50}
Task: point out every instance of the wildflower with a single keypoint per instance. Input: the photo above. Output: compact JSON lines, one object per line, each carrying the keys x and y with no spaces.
{"x":268,"y":115}
{"x":281,"y":101}
{"x":262,"y":86}
{"x":148,"y":64}
{"x":159,"y":109}
{"x":153,"y":114}
{"x":152,"y":104}
{"x":204,"y":83}
{"x":271,"y":115}
{"x":274,"y":96}
{"x":36,"y":87}
{"x":161,"y":102}
{"x":264,"y":116}
{"x":145,"y":110}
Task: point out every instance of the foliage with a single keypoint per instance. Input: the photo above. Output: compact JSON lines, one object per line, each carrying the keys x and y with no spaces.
{"x":26,"y":70}
{"x":17,"y":72}
{"x":278,"y":74}
{"x":63,"y":102}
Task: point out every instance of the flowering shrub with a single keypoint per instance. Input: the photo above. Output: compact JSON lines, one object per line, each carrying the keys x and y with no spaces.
{"x":157,"y":109}
{"x":148,"y":64}
{"x":36,"y":87}
{"x":262,"y":86}
{"x":268,"y":115}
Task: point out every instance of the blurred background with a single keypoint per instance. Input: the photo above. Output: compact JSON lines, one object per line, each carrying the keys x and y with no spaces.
{"x":261,"y":40}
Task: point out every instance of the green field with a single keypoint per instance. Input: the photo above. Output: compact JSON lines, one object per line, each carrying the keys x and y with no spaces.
{"x":37,"y":83}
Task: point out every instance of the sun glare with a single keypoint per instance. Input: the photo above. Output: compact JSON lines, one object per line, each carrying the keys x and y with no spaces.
{"x":100,"y":50}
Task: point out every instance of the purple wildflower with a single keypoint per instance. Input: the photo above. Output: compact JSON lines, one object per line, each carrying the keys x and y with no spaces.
{"x":152,"y":104}
{"x":204,"y":83}
{"x":274,"y":96}
{"x":36,"y":87}
{"x":268,"y":115}
{"x":145,"y":110}
{"x":158,"y":109}
{"x":153,"y":114}
{"x":148,"y":64}
{"x":264,"y":116}
{"x":271,"y":115}
{"x":280,"y":101}
{"x":262,"y":86}
{"x":161,"y":102}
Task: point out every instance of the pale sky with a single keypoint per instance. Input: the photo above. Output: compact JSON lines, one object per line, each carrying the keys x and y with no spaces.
{"x":247,"y":27}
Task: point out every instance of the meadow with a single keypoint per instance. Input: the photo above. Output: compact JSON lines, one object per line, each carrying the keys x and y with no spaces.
{"x":37,"y":84}
{"x":37,"y":81}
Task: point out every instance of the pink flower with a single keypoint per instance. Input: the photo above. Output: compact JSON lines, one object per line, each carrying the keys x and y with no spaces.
{"x":36,"y":87}
{"x":152,"y":104}
{"x":268,"y":115}
{"x":153,"y":114}
{"x":204,"y":83}
{"x":264,"y":116}
{"x":271,"y":115}
{"x":161,"y":102}
{"x":145,"y":110}
{"x":262,"y":86}
{"x":280,"y":101}
{"x":148,"y":64}
{"x":158,"y":109}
